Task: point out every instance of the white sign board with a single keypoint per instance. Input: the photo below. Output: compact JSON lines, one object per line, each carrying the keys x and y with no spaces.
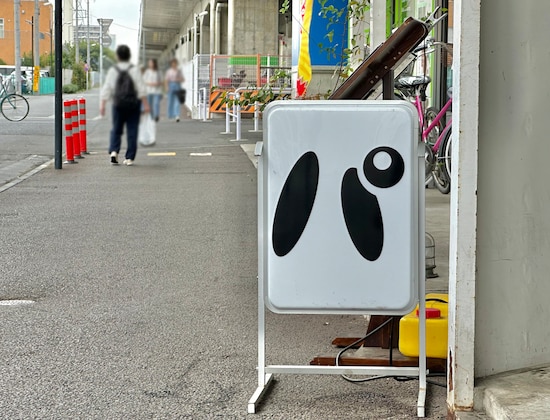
{"x":338,"y":207}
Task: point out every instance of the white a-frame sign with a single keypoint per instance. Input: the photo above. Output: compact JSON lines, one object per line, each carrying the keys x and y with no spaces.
{"x":340,"y":220}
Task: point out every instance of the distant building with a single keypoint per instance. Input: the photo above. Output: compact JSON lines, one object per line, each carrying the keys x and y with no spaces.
{"x":26,"y":25}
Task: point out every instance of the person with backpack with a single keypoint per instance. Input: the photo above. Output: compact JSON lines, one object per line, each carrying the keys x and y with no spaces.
{"x":124,"y":86}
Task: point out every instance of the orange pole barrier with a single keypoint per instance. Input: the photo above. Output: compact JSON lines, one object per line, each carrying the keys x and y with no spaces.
{"x":82,"y":124}
{"x":76,"y":129}
{"x":69,"y":132}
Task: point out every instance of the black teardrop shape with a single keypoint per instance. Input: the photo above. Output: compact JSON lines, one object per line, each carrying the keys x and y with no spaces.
{"x":384,"y":178}
{"x":295,"y":203}
{"x":363,"y":216}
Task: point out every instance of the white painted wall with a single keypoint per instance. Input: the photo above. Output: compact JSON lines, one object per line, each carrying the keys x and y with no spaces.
{"x":513,"y":285}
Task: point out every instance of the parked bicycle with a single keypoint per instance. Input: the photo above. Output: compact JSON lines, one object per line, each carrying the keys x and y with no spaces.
{"x":436,"y":136}
{"x":13,"y":106}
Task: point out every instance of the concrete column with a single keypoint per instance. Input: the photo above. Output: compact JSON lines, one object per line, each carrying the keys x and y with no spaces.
{"x":462,"y":248}
{"x":212,"y":46}
{"x":219,"y":30}
{"x":231,"y":27}
{"x":254,"y":29}
{"x":377,"y":23}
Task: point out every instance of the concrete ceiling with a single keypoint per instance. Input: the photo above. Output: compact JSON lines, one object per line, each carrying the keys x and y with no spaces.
{"x":161,"y":20}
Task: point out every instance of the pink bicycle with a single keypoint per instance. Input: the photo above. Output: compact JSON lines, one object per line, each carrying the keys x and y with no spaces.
{"x":437,"y":137}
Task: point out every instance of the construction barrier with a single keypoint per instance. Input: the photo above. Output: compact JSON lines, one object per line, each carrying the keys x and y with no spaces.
{"x":229,"y":73}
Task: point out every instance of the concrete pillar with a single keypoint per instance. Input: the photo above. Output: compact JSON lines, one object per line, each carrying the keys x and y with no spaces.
{"x":462,"y":248}
{"x":254,"y":28}
{"x":212,"y":38}
{"x":377,"y":23}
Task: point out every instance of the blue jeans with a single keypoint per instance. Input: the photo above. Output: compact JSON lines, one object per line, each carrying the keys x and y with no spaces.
{"x":154,"y":104}
{"x":173,"y":101}
{"x":130,"y":119}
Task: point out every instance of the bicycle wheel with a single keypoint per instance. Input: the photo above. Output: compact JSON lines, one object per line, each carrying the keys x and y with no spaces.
{"x":429,"y":161}
{"x":429,"y":117}
{"x":441,"y":169}
{"x":14,"y":107}
{"x":446,"y":146}
{"x":442,"y":183}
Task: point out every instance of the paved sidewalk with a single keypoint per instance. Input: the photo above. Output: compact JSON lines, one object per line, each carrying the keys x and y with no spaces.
{"x":143,"y":280}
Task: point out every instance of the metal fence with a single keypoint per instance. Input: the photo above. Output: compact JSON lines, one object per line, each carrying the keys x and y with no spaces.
{"x":253,"y":72}
{"x":201,"y":78}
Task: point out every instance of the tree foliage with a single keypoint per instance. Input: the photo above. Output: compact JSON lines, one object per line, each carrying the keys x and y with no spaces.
{"x":79,"y":76}
{"x":69,"y":55}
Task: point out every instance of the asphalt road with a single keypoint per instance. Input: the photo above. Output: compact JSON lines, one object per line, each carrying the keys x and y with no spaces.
{"x":143,"y":280}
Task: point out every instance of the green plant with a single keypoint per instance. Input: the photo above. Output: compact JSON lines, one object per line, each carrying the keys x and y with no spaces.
{"x":357,"y":13}
{"x":69,"y":55}
{"x":79,"y":76}
{"x":264,"y":95}
{"x":46,"y":60}
{"x":284,"y":6}
{"x":26,"y":60}
{"x":70,"y":88}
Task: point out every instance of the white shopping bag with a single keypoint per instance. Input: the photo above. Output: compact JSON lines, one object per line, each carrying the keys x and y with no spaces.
{"x":147,"y":130}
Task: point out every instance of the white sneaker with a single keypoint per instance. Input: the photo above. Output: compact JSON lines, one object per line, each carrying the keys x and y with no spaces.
{"x":177,"y":119}
{"x":114,"y":156}
{"x":128,"y":162}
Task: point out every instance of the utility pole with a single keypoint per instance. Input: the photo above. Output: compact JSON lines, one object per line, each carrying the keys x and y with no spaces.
{"x":88,"y":65}
{"x":100,"y":53}
{"x":36,"y":34}
{"x":76,"y":34}
{"x":17,"y":27}
{"x":104,"y":38}
{"x":58,"y":142}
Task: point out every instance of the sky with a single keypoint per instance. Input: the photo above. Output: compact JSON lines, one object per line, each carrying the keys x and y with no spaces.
{"x":125,"y":15}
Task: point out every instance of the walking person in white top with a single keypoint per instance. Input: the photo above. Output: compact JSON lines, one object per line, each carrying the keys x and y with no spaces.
{"x":173,"y":80}
{"x":153,"y":87}
{"x":128,"y":101}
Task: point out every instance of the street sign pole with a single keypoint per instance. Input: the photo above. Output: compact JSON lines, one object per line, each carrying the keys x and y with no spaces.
{"x":100,"y":54}
{"x":104,"y":25}
{"x":88,"y":68}
{"x":58,"y":147}
{"x":16,"y":22}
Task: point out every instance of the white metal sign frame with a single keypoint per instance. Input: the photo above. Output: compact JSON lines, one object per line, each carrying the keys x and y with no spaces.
{"x":266,"y":372}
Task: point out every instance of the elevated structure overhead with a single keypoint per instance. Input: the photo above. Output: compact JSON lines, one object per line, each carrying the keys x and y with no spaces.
{"x":185,"y":28}
{"x":161,"y":22}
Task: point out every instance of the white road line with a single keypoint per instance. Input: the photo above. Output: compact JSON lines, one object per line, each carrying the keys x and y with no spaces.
{"x":161,"y":154}
{"x":16,"y":302}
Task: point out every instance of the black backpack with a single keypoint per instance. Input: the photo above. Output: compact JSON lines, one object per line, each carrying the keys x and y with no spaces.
{"x":125,"y":96}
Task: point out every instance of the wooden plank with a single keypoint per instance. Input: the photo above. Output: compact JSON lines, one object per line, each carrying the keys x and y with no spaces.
{"x":379,"y":339}
{"x":434,"y":365}
{"x":383,"y":59}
